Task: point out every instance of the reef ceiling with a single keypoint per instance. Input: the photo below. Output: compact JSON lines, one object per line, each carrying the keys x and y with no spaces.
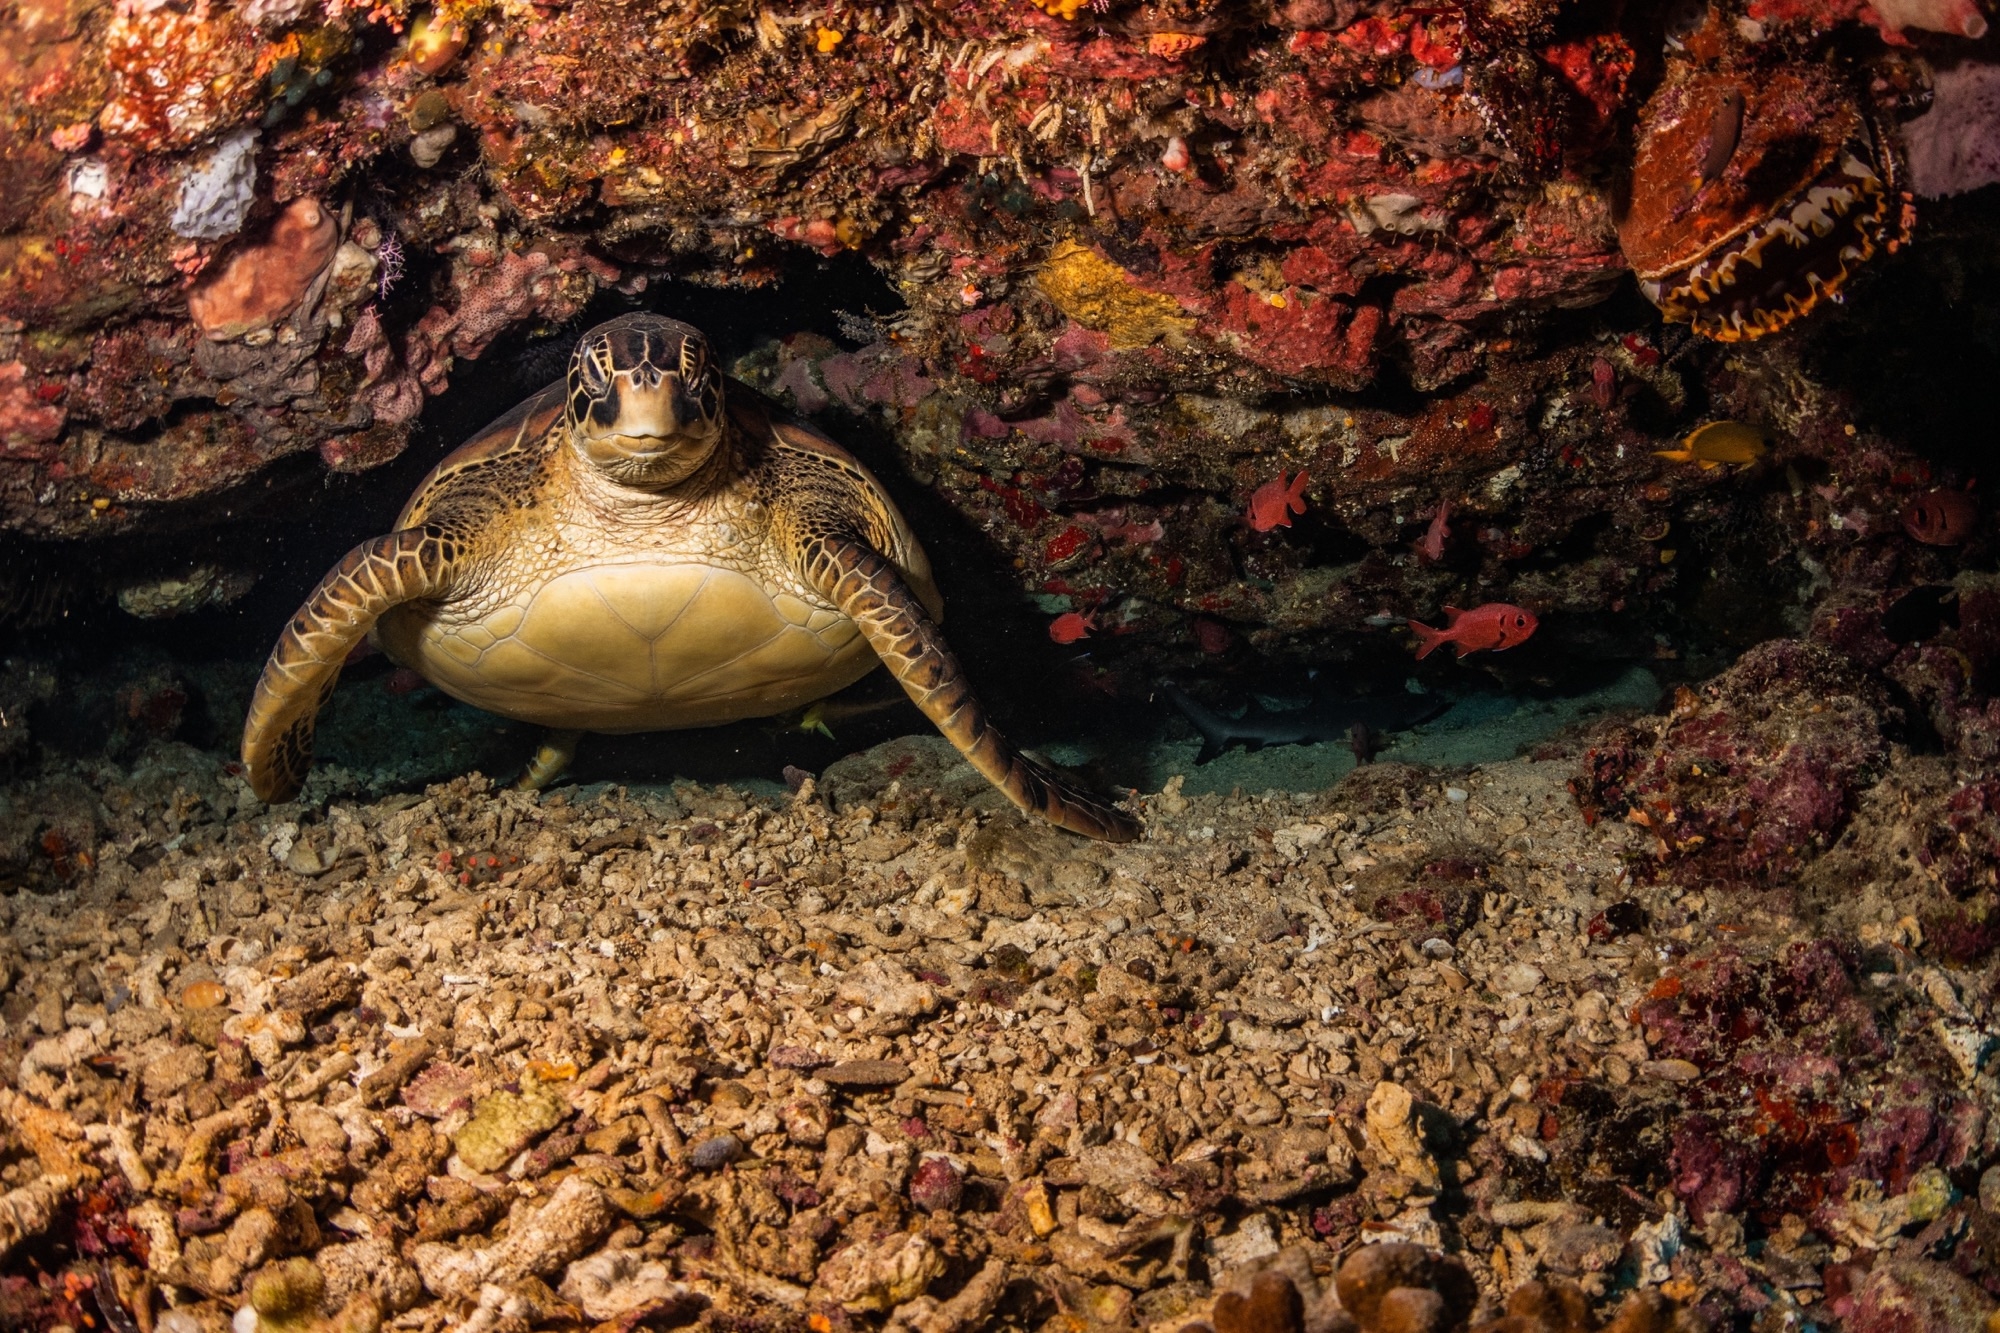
{"x":1150,"y":255}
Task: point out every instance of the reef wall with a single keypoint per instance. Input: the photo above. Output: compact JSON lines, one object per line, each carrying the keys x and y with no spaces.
{"x":1150,"y":257}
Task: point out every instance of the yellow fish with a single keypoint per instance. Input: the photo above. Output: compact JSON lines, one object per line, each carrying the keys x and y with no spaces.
{"x":814,"y":719}
{"x":817,"y":718}
{"x":1720,"y":442}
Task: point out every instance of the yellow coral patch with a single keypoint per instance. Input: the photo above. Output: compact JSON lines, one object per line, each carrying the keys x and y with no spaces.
{"x":1065,"y":10}
{"x":1098,"y":294}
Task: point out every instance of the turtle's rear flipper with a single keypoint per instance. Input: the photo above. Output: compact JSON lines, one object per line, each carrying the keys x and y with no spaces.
{"x":374,"y":576}
{"x":868,"y":589}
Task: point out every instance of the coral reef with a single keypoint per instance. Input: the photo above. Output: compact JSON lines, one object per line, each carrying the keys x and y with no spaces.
{"x":1758,"y":771}
{"x":1091,"y":211}
{"x":1683,"y":1017}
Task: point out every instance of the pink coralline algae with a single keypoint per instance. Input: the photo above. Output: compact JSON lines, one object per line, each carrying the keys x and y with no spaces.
{"x":1759,"y":770}
{"x":494,"y":294}
{"x":1779,"y":1116}
{"x":1955,"y":146}
{"x":30,"y":415}
{"x":1917,"y":1295}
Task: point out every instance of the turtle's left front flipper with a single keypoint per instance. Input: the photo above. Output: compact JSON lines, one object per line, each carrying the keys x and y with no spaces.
{"x":405,"y":566}
{"x":868,"y":588}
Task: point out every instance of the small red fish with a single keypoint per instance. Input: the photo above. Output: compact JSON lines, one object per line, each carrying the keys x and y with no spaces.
{"x":1069,"y":627}
{"x":1212,"y":635}
{"x":1642,"y":351}
{"x":1431,"y":548}
{"x":1941,"y":517}
{"x":403,"y":681}
{"x":1273,"y":504}
{"x":1495,"y":625}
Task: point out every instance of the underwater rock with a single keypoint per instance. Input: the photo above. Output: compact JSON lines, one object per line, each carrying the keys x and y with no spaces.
{"x":1350,"y":192}
{"x":1123,"y":311}
{"x":266,"y":281}
{"x":1814,"y":1138}
{"x":1916,"y":1295}
{"x":178,"y":595}
{"x":1753,"y":775}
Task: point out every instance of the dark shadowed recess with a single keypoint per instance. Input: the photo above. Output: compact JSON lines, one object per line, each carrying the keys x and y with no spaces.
{"x":297,"y":520}
{"x":1919,"y":345}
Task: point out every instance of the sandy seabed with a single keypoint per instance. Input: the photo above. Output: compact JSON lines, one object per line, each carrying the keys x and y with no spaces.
{"x":884,"y":1050}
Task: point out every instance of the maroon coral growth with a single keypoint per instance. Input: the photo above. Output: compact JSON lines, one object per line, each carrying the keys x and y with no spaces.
{"x":1785,"y":1117}
{"x":1754,"y":775}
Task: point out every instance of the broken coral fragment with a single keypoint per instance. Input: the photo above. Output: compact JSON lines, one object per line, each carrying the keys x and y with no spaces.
{"x":880,"y":1274}
{"x":614,"y":1283}
{"x":1395,"y":1131}
{"x":286,"y":1299}
{"x":504,"y":1123}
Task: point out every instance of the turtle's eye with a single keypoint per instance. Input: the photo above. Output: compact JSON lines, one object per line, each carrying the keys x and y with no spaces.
{"x":694,"y":360}
{"x":591,"y":369}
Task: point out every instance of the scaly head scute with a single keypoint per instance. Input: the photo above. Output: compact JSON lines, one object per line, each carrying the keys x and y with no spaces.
{"x":645,"y":400}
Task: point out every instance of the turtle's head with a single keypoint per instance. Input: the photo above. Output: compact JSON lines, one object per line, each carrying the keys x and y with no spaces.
{"x":645,"y":400}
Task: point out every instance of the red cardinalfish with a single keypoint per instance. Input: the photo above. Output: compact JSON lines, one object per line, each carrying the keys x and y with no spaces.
{"x":1496,"y":625}
{"x":1431,"y":548}
{"x":1070,"y":626}
{"x":1941,"y":517}
{"x":1273,"y":504}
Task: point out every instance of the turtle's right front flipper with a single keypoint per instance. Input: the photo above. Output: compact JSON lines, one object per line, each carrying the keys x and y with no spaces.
{"x":870,"y":589}
{"x":402,"y":567}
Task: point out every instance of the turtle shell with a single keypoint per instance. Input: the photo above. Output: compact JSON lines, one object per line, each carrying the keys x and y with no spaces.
{"x":634,"y":615}
{"x":512,"y":432}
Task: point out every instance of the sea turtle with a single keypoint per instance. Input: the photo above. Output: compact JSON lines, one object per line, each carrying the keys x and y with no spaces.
{"x":633,"y":549}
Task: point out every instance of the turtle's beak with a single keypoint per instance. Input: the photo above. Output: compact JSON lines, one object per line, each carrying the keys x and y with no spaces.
{"x":647,"y":406}
{"x":660,"y":411}
{"x":647,"y":429}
